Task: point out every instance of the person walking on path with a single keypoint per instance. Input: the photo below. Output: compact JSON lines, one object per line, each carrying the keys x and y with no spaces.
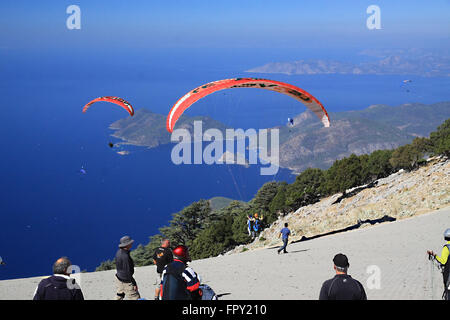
{"x":342,"y":286}
{"x":444,"y":260}
{"x":162,"y":257}
{"x":180,"y":282}
{"x":284,"y":233}
{"x":125,"y":283}
{"x":59,"y":286}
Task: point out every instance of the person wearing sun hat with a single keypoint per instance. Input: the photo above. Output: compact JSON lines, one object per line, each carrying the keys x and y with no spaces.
{"x":342,"y":286}
{"x":125,"y":283}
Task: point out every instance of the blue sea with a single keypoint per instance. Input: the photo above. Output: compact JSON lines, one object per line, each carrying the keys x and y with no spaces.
{"x":49,"y":209}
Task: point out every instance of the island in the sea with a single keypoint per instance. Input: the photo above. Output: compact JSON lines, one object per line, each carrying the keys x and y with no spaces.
{"x":307,"y":143}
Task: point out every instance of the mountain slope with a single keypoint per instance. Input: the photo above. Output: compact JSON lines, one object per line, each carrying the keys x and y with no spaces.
{"x":396,"y":248}
{"x":309,"y":144}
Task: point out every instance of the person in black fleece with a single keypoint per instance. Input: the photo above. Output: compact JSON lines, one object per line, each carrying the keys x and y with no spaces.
{"x":125,"y":283}
{"x":59,"y":286}
{"x":342,"y":286}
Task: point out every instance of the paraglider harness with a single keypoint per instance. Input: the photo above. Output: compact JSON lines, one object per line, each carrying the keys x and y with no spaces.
{"x":445,"y":270}
{"x":174,"y":286}
{"x":257,"y":225}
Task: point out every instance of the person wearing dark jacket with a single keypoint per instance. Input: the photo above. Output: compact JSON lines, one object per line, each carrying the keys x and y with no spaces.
{"x":180,"y":282}
{"x":125,"y":283}
{"x":342,"y":286}
{"x":59,"y":286}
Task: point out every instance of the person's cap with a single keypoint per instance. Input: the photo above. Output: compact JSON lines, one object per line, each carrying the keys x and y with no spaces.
{"x":340,"y":260}
{"x":125,"y":241}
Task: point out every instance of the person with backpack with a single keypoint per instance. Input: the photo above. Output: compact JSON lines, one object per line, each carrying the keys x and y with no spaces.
{"x":180,"y":282}
{"x":59,"y":286}
{"x":444,"y":260}
{"x":342,"y":286}
{"x":257,"y":225}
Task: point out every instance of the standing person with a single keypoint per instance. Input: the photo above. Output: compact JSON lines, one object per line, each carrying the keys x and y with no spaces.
{"x":342,"y":286}
{"x":162,"y":257}
{"x":180,"y":282}
{"x":257,"y":225}
{"x":59,"y":286}
{"x":285,"y":232}
{"x":444,"y":260}
{"x":125,"y":283}
{"x":250,"y":221}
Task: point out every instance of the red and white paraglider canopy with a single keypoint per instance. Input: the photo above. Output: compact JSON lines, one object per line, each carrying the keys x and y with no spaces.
{"x":295,"y":92}
{"x":116,"y":100}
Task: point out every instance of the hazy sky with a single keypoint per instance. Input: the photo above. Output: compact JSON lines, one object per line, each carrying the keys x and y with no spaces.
{"x":132,"y":24}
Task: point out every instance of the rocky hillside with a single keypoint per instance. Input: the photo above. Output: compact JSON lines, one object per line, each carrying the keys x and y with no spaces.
{"x":308,"y":144}
{"x":401,"y":195}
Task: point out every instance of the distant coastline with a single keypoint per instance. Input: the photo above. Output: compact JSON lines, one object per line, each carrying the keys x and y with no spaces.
{"x":382,"y":63}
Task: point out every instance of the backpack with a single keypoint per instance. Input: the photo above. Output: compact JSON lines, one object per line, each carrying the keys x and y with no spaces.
{"x":446,"y":270}
{"x":207,"y":292}
{"x":174,"y":286}
{"x":256,"y":225}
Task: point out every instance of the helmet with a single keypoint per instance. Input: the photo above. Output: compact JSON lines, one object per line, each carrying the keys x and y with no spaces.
{"x":256,"y":215}
{"x":182,"y":252}
{"x":447,"y":234}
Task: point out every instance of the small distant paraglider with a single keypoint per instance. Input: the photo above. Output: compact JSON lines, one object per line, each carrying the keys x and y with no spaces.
{"x":83,"y":171}
{"x":2,"y":262}
{"x":115,"y":100}
{"x":291,"y":122}
{"x":406,"y":86}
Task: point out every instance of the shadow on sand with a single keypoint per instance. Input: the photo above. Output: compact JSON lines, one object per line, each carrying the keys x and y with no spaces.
{"x":353,"y":227}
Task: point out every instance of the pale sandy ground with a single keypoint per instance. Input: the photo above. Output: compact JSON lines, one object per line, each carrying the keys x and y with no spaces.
{"x":398,"y":249}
